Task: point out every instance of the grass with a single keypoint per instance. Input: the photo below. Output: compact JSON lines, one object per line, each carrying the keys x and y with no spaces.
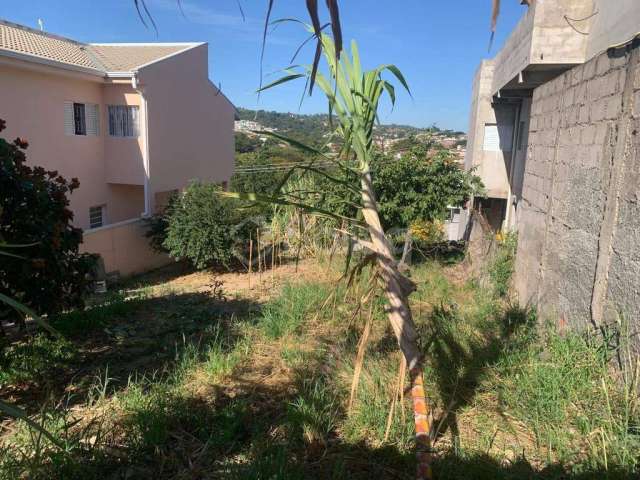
{"x":287,"y":312}
{"x":265,"y":394}
{"x":32,"y":359}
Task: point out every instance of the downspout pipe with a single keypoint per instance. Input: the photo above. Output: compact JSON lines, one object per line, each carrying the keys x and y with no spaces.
{"x":135,"y":84}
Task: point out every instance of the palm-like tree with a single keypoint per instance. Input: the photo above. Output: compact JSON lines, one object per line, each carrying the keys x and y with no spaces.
{"x":353,"y":96}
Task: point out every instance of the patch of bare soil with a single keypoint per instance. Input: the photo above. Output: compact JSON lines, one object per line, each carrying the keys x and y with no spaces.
{"x":256,"y":285}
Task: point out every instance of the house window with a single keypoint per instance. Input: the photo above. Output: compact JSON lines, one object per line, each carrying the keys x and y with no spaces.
{"x":96,"y":216}
{"x":497,"y":137}
{"x":123,"y":121}
{"x":81,"y":118}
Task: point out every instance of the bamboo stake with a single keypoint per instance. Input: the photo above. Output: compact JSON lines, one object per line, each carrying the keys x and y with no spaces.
{"x":273,"y":259}
{"x":250,"y":259}
{"x":259,"y":260}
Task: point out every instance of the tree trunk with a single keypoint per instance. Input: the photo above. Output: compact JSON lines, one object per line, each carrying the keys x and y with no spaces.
{"x":397,"y":289}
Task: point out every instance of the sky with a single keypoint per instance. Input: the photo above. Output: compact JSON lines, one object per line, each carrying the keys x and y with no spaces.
{"x":436,"y":44}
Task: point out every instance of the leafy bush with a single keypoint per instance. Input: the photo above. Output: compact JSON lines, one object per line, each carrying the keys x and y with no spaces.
{"x":49,"y":275}
{"x":420,"y":187}
{"x":201,"y":226}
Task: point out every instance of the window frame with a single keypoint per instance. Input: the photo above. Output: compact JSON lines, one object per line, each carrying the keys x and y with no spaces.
{"x":94,"y":224}
{"x":131,"y":124}
{"x":79,"y":119}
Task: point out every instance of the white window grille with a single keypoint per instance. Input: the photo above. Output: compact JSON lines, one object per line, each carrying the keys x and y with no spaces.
{"x":123,"y":120}
{"x":96,"y":216}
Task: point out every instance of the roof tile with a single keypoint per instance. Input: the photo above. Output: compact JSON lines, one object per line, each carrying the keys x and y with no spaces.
{"x":102,"y":57}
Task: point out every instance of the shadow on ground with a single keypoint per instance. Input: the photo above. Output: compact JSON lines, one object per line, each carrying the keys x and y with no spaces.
{"x":122,"y":339}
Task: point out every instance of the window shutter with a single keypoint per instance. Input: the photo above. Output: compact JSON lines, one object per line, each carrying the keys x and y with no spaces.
{"x":69,"y":128}
{"x":93,"y":119}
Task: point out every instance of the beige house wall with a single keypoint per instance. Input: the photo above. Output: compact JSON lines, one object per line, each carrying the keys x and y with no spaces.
{"x":190,"y":123}
{"x":123,"y":157}
{"x":124,"y":248}
{"x":32,"y":103}
{"x":189,"y":130}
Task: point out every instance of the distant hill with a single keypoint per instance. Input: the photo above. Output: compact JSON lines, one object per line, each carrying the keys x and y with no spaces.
{"x":313,"y":129}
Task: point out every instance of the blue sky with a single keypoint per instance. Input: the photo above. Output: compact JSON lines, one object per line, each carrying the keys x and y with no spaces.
{"x":436,"y":43}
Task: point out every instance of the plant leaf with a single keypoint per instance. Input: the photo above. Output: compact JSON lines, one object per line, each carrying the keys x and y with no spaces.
{"x":286,"y":78}
{"x":275,"y":200}
{"x":27,"y":311}
{"x":20,"y":414}
{"x":398,"y":74}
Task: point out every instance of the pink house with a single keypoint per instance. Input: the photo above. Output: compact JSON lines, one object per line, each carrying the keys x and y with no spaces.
{"x":133,"y":122}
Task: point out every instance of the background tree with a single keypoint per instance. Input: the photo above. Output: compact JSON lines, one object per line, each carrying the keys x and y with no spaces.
{"x":418,"y":186}
{"x":34,"y":211}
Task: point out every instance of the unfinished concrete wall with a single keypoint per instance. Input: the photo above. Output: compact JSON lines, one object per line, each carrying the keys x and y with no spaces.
{"x":579,"y":243}
{"x":613,"y":23}
{"x":542,"y":40}
{"x":489,"y":165}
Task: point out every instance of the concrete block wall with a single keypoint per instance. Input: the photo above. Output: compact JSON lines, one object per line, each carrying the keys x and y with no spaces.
{"x":543,"y":38}
{"x":579,"y":234}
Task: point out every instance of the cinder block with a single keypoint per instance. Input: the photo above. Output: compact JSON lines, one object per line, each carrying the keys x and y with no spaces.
{"x":602,"y":132}
{"x":613,"y":107}
{"x":612,"y":83}
{"x":589,"y":70}
{"x":598,"y":110}
{"x":576,"y":75}
{"x":603,"y":64}
{"x":588,"y":133}
{"x":584,"y":114}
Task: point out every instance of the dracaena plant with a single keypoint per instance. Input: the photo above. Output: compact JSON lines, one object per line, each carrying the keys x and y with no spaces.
{"x":353,"y":97}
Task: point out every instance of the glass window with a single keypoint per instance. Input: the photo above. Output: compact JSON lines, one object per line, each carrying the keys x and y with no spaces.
{"x":96,"y":215}
{"x":79,"y":119}
{"x":123,"y":121}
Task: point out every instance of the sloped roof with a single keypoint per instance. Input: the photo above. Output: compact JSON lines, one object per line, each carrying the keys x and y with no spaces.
{"x":102,"y":57}
{"x":124,"y":58}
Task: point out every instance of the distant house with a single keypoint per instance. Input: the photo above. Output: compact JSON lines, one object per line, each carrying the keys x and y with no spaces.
{"x":133,"y":122}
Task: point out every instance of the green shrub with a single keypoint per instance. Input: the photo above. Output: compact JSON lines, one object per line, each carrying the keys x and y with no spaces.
{"x":50,"y":275}
{"x":203,"y":227}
